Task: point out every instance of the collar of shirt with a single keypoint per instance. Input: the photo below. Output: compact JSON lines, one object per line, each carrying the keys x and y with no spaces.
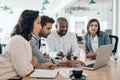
{"x":36,"y":37}
{"x":59,"y":35}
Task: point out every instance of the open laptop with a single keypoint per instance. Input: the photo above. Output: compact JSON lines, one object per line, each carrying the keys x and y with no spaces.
{"x":103,"y":56}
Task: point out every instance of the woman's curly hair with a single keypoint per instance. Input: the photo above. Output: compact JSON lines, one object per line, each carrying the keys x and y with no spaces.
{"x":24,"y":27}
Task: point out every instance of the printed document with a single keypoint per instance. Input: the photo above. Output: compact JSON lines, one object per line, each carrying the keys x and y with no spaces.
{"x":43,"y":73}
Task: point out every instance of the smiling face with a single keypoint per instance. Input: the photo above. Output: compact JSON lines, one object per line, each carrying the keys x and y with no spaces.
{"x":93,"y":28}
{"x":62,"y":28}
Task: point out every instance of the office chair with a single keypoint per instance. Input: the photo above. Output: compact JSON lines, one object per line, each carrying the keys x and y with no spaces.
{"x":0,"y":48}
{"x":79,"y":39}
{"x":114,"y":41}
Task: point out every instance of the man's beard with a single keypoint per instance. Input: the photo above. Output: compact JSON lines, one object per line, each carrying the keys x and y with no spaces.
{"x":44,"y":35}
{"x":62,"y":33}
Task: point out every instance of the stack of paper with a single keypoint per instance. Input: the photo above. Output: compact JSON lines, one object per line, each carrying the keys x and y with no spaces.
{"x":43,"y":73}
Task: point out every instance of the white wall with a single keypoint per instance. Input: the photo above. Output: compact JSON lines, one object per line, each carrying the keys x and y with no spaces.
{"x":118,"y":24}
{"x":116,"y":21}
{"x":7,"y":23}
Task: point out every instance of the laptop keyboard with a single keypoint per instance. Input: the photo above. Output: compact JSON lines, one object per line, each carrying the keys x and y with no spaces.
{"x":90,"y":65}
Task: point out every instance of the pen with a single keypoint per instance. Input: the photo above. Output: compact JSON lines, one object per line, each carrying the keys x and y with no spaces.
{"x":52,"y":61}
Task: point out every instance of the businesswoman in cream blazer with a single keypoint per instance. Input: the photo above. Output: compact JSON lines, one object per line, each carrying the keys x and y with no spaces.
{"x":94,"y":38}
{"x":16,"y":61}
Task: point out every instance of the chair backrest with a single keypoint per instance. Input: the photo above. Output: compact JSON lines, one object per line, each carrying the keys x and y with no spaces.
{"x":0,"y":48}
{"x":114,"y":41}
{"x":79,"y":39}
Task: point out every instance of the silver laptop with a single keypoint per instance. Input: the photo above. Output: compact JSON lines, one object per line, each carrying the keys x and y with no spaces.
{"x":103,"y":56}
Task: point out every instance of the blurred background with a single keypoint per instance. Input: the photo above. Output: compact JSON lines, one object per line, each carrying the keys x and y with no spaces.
{"x":77,"y":12}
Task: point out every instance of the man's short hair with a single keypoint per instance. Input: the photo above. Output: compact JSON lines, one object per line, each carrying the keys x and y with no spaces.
{"x":60,"y":19}
{"x":45,"y":19}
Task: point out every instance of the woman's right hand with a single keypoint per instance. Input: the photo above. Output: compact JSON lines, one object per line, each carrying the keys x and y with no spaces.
{"x":34,"y":61}
{"x":50,"y":65}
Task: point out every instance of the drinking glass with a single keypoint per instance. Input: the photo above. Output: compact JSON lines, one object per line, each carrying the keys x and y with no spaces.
{"x":115,"y":57}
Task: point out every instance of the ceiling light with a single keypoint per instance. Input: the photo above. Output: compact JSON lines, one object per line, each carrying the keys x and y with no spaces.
{"x":92,"y":2}
{"x":78,"y":8}
{"x":98,"y":13}
{"x":43,"y":8}
{"x":41,"y":12}
{"x":70,"y":12}
{"x":46,"y":2}
{"x":5,"y":8}
{"x":11,"y":12}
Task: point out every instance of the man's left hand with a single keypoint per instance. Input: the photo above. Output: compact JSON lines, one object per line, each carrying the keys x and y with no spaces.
{"x":46,"y":55}
{"x":73,"y":63}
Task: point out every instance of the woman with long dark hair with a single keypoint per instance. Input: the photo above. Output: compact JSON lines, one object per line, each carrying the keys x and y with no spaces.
{"x":16,"y":61}
{"x":94,"y":38}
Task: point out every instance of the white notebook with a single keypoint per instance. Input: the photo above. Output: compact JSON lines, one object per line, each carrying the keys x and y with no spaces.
{"x":43,"y":73}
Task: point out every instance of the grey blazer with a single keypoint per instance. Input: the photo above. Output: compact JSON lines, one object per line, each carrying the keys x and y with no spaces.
{"x":103,"y":39}
{"x":35,"y":51}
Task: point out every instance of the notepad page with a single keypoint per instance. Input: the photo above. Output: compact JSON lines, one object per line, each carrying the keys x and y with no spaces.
{"x":43,"y":73}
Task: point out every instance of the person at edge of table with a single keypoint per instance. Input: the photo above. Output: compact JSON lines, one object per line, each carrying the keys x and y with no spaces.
{"x":94,"y":38}
{"x":16,"y":61}
{"x":63,"y":42}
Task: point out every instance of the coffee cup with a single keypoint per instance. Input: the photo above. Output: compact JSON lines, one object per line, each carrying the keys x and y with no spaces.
{"x":77,"y":74}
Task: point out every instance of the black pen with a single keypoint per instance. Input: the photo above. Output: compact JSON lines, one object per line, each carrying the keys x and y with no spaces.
{"x":52,"y":61}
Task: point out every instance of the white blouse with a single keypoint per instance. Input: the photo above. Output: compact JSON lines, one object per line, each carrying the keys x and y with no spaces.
{"x":16,"y":59}
{"x":94,"y":43}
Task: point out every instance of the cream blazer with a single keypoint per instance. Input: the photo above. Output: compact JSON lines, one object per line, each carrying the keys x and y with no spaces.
{"x":16,"y":59}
